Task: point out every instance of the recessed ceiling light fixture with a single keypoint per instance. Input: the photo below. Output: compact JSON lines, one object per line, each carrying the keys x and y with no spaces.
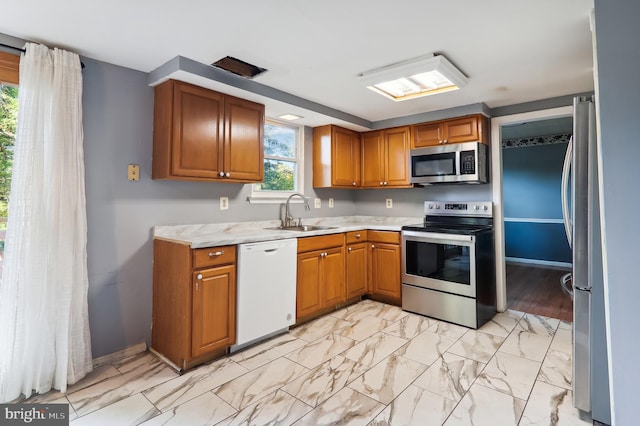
{"x":413,"y":78}
{"x":290,"y":117}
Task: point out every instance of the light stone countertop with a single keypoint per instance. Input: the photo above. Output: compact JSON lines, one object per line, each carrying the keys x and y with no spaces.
{"x":219,"y":234}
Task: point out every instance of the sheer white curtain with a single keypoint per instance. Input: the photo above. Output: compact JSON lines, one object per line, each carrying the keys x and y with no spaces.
{"x":44,"y":325}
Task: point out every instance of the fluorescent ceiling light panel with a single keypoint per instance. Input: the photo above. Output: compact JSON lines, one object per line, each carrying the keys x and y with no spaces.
{"x":423,"y":76}
{"x":290,"y":117}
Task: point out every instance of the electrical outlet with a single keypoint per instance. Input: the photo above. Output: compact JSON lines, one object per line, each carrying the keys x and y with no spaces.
{"x":330,"y":203}
{"x":317,"y":203}
{"x":389,"y":203}
{"x":224,"y":203}
{"x":133,"y":172}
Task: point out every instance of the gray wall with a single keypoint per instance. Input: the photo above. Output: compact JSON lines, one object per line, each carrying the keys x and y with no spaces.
{"x":618,"y":92}
{"x":410,"y":201}
{"x":118,"y":119}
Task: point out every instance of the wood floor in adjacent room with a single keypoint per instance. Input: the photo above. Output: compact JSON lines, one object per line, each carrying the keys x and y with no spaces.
{"x":536,"y":290}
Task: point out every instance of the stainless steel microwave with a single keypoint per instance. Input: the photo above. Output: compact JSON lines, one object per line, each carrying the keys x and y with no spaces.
{"x":452,"y":163}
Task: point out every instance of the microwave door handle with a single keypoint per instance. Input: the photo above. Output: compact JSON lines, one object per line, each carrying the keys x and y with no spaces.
{"x":457,"y":164}
{"x":566,"y":169}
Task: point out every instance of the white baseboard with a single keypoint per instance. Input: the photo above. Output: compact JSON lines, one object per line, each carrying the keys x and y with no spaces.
{"x":561,"y":265}
{"x":117,"y":356}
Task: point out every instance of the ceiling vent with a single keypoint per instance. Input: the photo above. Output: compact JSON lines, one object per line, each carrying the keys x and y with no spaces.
{"x":238,"y":67}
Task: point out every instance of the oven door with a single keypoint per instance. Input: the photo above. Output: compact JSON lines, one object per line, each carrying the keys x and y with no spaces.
{"x":437,"y":261}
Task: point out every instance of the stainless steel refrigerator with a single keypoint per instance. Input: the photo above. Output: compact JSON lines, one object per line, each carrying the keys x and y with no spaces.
{"x":581,"y":211}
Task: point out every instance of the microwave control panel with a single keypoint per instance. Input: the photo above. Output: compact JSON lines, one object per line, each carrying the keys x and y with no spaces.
{"x":467,"y":162}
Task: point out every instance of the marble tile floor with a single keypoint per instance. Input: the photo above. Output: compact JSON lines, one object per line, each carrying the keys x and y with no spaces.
{"x":367,"y":364}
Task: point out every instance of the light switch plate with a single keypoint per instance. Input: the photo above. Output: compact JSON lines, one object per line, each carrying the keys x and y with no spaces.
{"x":224,"y":203}
{"x":133,"y":172}
{"x":389,"y":203}
{"x":330,"y":203}
{"x":317,"y":203}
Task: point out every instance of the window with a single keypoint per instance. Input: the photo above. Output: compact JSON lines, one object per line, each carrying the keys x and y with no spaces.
{"x":283,"y":174}
{"x":9,"y":70}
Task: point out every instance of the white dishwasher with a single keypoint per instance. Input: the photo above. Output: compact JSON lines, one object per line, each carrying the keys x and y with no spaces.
{"x":266,"y":290}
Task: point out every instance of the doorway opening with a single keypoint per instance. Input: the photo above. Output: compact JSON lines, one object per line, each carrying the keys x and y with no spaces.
{"x":532,"y":253}
{"x":537,"y":253}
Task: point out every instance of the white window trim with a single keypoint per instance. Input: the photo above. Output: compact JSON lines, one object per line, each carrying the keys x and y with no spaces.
{"x":277,"y":197}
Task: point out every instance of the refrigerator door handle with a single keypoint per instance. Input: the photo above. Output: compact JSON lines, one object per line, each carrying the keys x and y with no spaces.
{"x":566,"y":169}
{"x":566,"y":282}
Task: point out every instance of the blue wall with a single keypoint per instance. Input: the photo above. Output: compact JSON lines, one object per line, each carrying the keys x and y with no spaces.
{"x":531,"y":183}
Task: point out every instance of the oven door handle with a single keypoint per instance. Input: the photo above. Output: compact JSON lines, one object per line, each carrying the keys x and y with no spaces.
{"x":436,"y":238}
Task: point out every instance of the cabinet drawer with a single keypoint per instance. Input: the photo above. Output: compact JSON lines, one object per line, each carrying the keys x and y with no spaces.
{"x":320,"y":243}
{"x":356,"y":236}
{"x":390,"y":237}
{"x":213,"y":256}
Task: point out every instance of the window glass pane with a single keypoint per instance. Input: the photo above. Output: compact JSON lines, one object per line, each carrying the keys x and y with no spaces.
{"x":278,"y":176}
{"x":8,"y":121}
{"x":279,"y":141}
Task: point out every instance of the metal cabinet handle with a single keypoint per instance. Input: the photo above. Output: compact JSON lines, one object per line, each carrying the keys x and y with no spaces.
{"x":348,"y":248}
{"x":373,"y":246}
{"x":381,"y":183}
{"x":446,"y":141}
{"x":216,"y":253}
{"x":199,"y":276}
{"x":221,"y":174}
{"x":227,"y":174}
{"x":385,"y":184}
{"x":354,"y":184}
{"x":357,"y":235}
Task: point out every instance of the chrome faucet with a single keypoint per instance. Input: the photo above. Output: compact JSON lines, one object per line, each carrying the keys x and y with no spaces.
{"x":288,"y":219}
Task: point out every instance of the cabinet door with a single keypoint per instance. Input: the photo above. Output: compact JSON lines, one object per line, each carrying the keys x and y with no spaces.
{"x":308,"y":298}
{"x":345,"y":158}
{"x":356,"y":270}
{"x":397,"y":157}
{"x":428,"y":134}
{"x":332,"y":266}
{"x":384,"y":262}
{"x":373,"y":159}
{"x":214,"y":309}
{"x":461,"y":130}
{"x":244,"y":140}
{"x":197,"y":132}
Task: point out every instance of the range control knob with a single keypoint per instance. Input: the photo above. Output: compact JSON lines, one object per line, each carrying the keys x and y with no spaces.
{"x":476,"y":207}
{"x":485,"y":208}
{"x":430,"y":206}
{"x":437,"y":206}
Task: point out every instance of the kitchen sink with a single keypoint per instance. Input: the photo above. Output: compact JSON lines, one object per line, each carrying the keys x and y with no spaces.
{"x":304,"y":228}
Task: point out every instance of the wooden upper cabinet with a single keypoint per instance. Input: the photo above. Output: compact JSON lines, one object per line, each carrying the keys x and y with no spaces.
{"x":336,"y":157}
{"x":385,"y":158}
{"x":243,"y":140}
{"x":397,"y":159}
{"x":473,"y":128}
{"x":373,"y":159}
{"x":9,"y":68}
{"x":428,"y":134}
{"x":196,"y":146}
{"x":199,"y":134}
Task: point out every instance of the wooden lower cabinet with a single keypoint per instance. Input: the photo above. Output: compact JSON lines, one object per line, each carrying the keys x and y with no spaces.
{"x":214,"y":304}
{"x":356,"y":265}
{"x":194,"y":302}
{"x":321,"y":274}
{"x":384,"y":265}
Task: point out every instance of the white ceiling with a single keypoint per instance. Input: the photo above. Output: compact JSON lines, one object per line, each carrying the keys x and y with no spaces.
{"x":513,"y":51}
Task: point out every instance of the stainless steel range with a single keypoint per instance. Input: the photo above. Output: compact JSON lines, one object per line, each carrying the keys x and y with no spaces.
{"x":448,"y":263}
